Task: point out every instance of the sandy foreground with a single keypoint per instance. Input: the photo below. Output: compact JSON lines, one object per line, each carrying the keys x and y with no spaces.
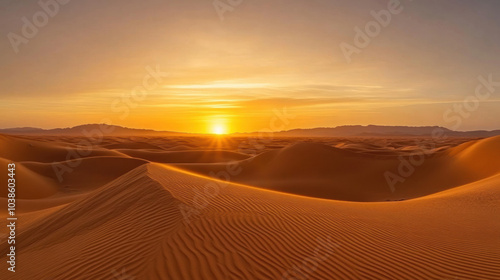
{"x":230,"y":208}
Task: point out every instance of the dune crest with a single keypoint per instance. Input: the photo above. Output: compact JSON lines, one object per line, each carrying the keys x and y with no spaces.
{"x":322,"y":171}
{"x":135,"y":222}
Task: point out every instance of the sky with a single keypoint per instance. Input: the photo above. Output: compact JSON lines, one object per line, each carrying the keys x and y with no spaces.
{"x":236,"y":66}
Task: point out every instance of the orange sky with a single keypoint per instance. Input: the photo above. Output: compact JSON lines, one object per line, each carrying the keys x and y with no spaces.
{"x":86,"y":63}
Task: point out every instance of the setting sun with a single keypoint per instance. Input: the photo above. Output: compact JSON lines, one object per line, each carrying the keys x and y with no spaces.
{"x":219,"y":129}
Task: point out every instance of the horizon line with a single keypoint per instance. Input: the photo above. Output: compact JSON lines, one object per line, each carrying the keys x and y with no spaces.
{"x":250,"y":132}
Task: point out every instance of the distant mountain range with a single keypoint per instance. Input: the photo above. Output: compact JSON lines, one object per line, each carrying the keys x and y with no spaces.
{"x":84,"y":130}
{"x":339,"y":131}
{"x":377,"y":130}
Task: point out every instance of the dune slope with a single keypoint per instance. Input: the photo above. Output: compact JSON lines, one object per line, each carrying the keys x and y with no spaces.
{"x":322,"y":171}
{"x":185,"y":156}
{"x":156,"y":222}
{"x":21,"y":149}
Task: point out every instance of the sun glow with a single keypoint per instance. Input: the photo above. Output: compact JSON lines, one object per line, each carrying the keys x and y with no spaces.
{"x":219,"y":129}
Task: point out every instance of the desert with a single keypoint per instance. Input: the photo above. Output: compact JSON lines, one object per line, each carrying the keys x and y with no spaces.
{"x":301,"y":208}
{"x":249,"y":140}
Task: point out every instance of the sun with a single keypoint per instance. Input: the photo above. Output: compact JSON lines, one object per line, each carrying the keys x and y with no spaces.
{"x":219,"y":129}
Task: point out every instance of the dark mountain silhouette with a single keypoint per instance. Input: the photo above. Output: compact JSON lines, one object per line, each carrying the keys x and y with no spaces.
{"x":88,"y":129}
{"x":377,"y":130}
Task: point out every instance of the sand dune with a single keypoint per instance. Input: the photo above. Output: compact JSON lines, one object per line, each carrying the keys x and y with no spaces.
{"x":185,"y":156}
{"x":241,"y":232}
{"x":123,"y":217}
{"x":19,"y":149}
{"x":131,"y":145}
{"x":481,"y":157}
{"x":33,"y":185}
{"x":39,"y":189}
{"x":327,"y":172}
{"x":86,"y":173}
